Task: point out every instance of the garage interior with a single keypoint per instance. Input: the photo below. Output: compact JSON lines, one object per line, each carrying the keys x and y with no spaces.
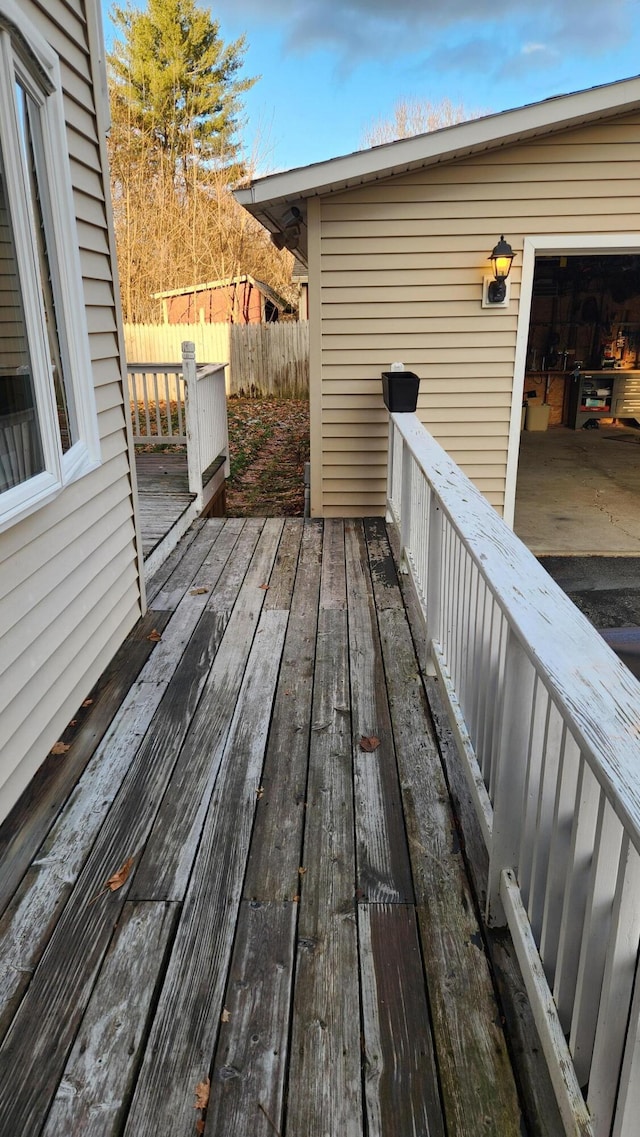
{"x":577,"y":499}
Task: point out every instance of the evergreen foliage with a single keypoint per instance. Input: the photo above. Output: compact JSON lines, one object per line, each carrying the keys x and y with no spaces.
{"x":174,"y":149}
{"x":176,"y":83}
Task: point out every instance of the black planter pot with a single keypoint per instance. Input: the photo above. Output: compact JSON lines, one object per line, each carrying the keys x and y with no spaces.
{"x":400,"y":391}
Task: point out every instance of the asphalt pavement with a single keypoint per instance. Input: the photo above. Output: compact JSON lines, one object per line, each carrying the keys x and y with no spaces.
{"x":607,"y":591}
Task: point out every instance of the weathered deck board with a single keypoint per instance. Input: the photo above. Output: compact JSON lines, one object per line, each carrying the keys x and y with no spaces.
{"x":165,"y":868}
{"x":281,"y":806}
{"x":401,"y":1079}
{"x":99,"y":1076}
{"x":249,"y":1070}
{"x":200,"y":550}
{"x":27,"y":825}
{"x":244,"y":946}
{"x":32,"y":914}
{"x":325,"y":1040}
{"x":163,"y":494}
{"x":384,"y":870}
{"x":461,"y":991}
{"x":185,"y":1028}
{"x":169,"y":565}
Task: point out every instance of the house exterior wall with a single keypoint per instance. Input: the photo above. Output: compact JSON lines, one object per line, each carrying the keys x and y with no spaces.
{"x":397,"y":271}
{"x":238,"y":303}
{"x":69,"y":575}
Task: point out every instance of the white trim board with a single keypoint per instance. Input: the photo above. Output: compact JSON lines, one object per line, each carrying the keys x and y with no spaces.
{"x":558,"y":244}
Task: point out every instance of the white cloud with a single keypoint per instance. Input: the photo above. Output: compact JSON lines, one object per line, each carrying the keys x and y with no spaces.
{"x":359,"y":29}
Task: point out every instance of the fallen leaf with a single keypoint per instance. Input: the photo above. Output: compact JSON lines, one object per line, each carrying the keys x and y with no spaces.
{"x":295,"y":899}
{"x":259,"y":791}
{"x":225,"y":1017}
{"x":265,"y":587}
{"x":87,"y":702}
{"x":202,"y":1094}
{"x":369,"y":742}
{"x":60,"y":748}
{"x":154,"y":636}
{"x":117,"y":880}
{"x":200,"y":1126}
{"x":198,"y":591}
{"x":301,"y":871}
{"x":74,"y":722}
{"x":121,"y":876}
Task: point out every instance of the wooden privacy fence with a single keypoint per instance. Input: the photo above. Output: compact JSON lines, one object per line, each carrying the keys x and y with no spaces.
{"x":264,"y":360}
{"x":547,"y":719}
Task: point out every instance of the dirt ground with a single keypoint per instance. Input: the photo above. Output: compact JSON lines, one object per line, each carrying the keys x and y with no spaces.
{"x":268,"y":445}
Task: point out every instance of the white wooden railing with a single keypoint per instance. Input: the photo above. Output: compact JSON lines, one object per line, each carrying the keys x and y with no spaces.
{"x":184,"y":404}
{"x":156,"y":395}
{"x":548,"y":720}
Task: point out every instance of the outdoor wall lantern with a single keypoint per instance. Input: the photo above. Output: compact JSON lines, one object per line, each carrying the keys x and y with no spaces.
{"x":288,"y":235}
{"x":495,"y":290}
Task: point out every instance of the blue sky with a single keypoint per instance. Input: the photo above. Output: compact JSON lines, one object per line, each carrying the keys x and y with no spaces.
{"x":330,"y":67}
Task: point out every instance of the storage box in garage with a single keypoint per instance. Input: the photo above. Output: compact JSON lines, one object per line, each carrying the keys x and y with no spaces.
{"x":537,"y":416}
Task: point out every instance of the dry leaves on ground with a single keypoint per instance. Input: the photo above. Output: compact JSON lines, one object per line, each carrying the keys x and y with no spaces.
{"x":269,"y":445}
{"x":369,"y":743}
{"x":154,"y":636}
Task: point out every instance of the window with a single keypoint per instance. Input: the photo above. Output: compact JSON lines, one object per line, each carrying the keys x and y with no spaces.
{"x":48,"y":427}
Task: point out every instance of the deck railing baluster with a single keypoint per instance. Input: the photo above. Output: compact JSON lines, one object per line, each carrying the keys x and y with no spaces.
{"x":147,"y":408}
{"x":558,"y":879}
{"x":617,"y":989}
{"x":515,"y":712}
{"x":575,"y":897}
{"x":498,"y":657}
{"x":435,"y":578}
{"x":532,"y":784}
{"x":557,"y":746}
{"x":604,"y":873}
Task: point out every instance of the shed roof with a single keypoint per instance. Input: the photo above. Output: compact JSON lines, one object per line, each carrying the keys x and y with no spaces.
{"x":270,"y":199}
{"x":210,"y":285}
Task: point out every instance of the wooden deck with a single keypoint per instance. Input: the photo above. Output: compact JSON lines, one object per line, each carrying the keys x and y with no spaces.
{"x":163,"y":495}
{"x":294,"y":920}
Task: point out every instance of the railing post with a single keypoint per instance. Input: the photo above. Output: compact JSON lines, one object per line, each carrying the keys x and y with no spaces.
{"x":511,"y":772}
{"x":390,"y":487}
{"x":194,"y":465}
{"x":405,"y":510}
{"x":434,"y":558}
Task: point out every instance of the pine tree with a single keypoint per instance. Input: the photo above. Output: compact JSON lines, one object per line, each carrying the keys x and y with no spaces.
{"x":176,"y":107}
{"x":175,"y":86}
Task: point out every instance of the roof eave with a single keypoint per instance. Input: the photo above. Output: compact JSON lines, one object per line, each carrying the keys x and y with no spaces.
{"x":451,"y":143}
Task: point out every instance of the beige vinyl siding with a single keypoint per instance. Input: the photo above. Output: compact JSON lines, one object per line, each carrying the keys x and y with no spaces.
{"x":69,"y":590}
{"x":401,"y":265}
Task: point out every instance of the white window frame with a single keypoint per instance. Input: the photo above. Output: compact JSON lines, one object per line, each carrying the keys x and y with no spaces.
{"x":26,"y":56}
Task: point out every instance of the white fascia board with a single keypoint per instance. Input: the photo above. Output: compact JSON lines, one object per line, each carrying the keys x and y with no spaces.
{"x":462,"y":140}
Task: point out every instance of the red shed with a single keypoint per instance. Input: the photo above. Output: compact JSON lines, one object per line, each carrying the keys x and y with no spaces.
{"x":237,"y":300}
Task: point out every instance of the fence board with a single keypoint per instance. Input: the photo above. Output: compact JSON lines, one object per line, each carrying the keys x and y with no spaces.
{"x":265,"y":360}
